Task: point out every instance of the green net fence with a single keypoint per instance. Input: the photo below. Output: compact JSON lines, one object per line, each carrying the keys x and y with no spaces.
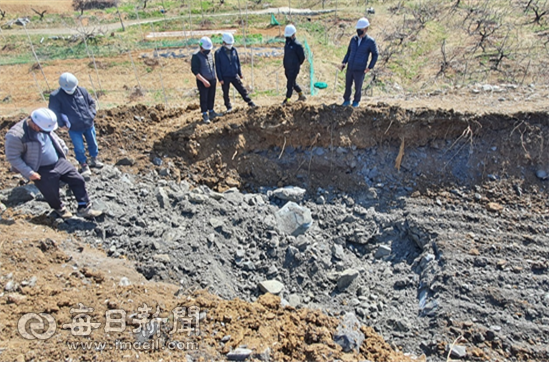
{"x":309,"y":56}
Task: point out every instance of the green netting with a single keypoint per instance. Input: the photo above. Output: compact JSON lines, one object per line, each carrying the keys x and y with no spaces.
{"x":273,"y":20}
{"x":309,"y":55}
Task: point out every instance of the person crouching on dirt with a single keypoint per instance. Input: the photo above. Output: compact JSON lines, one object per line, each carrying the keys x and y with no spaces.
{"x":359,"y":51}
{"x":75,"y":110}
{"x":227,"y":67}
{"x":294,"y":56}
{"x":202,"y":66}
{"x":36,"y":152}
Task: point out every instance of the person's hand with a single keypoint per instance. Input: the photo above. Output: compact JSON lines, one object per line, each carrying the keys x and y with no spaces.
{"x":206,"y":83}
{"x":366,"y":71}
{"x":242,"y":77}
{"x":65,"y":128}
{"x":35,"y":176}
{"x":221,"y":82}
{"x":342,"y":67}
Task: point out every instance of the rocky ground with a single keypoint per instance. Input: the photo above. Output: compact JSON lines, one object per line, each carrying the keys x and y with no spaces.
{"x":428,"y":226}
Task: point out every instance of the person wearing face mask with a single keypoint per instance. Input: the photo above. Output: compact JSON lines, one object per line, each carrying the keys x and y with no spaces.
{"x":294,"y":56}
{"x":359,"y":51}
{"x":227,"y":67}
{"x":75,"y":110}
{"x":202,"y":66}
{"x":35,"y":151}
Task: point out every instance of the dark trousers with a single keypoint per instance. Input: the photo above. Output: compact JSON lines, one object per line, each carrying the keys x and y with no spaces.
{"x":358,"y":78}
{"x":238,"y":86}
{"x":207,"y":95}
{"x":49,"y":183}
{"x":291,"y":84}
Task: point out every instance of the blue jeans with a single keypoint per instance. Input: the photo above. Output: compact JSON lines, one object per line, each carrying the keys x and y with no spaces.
{"x":77,"y":138}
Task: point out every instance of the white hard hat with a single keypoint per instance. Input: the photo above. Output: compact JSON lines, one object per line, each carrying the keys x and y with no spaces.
{"x":45,"y":119}
{"x":289,"y":30}
{"x":228,"y":38}
{"x":206,"y":43}
{"x":68,"y":82}
{"x":362,"y":23}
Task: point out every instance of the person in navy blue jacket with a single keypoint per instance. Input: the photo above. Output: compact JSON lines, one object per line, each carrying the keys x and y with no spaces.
{"x":75,"y":110}
{"x":228,"y":70}
{"x":359,"y":51}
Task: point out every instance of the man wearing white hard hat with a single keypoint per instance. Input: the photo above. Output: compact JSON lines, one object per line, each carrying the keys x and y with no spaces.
{"x":227,"y":67}
{"x":358,"y":53}
{"x":75,"y":110}
{"x":294,"y":56}
{"x":202,"y":66}
{"x":35,"y":151}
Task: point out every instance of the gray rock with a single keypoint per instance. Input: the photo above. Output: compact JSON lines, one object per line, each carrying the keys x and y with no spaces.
{"x":124,"y":282}
{"x":126,"y":161}
{"x":346,"y":278}
{"x":239,"y":354}
{"x":10,"y":286}
{"x":271,"y":286}
{"x":162,"y":197}
{"x":216,"y":223}
{"x":157,"y":161}
{"x":164,"y":172}
{"x":197,"y":198}
{"x":348,"y":334}
{"x":162,"y":258}
{"x":338,"y":252}
{"x":458,"y":351}
{"x":541,"y":174}
{"x":290,"y":193}
{"x":2,"y":208}
{"x":382,"y":251}
{"x":265,"y":356}
{"x":294,"y":300}
{"x":293,"y":219}
{"x":19,"y":195}
{"x":226,"y":338}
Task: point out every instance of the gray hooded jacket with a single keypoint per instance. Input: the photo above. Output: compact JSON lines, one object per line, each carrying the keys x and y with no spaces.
{"x":23,"y":150}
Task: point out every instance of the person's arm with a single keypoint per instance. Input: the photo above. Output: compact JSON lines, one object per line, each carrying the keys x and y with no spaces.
{"x":375,"y":54}
{"x":14,"y":153}
{"x":61,"y":143}
{"x":238,"y":67}
{"x":300,"y":54}
{"x":91,"y":101}
{"x":55,"y":106}
{"x":195,"y":68}
{"x":346,"y":58}
{"x":218,"y":66}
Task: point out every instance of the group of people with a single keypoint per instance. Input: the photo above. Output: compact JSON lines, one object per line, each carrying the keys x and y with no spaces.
{"x":224,"y":66}
{"x":34,"y":150}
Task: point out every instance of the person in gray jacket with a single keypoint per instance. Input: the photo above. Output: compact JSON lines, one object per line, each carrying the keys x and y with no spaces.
{"x":75,"y":110}
{"x":37,"y":153}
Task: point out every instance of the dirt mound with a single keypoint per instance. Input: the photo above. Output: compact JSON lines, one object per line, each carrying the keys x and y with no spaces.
{"x":50,"y":273}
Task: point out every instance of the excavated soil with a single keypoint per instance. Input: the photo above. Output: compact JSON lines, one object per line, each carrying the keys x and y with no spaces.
{"x":460,"y":199}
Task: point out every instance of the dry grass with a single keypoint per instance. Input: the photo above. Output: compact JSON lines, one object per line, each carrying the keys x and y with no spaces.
{"x":24,"y":6}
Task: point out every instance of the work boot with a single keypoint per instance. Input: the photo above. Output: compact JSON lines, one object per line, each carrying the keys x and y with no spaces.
{"x":205,"y":117}
{"x":95,"y":163}
{"x":88,"y":213}
{"x":302,"y":97}
{"x":85,"y":170}
{"x":252,"y":105}
{"x":286,"y":101}
{"x":63,"y":213}
{"x":346,"y":103}
{"x":214,"y":115}
{"x":229,"y":110}
{"x":356,"y":104}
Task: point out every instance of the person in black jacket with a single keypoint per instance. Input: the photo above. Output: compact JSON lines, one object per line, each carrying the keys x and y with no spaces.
{"x":75,"y":111}
{"x":227,"y":67}
{"x":294,"y":56}
{"x":202,"y":66}
{"x":359,"y":51}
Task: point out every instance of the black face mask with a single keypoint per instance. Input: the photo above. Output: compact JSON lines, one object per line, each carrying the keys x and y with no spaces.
{"x":360,"y":32}
{"x":288,"y":39}
{"x":206,"y":52}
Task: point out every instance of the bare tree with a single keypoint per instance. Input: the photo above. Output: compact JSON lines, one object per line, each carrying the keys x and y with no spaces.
{"x":145,"y":4}
{"x":41,"y":14}
{"x":540,"y":11}
{"x":2,"y":13}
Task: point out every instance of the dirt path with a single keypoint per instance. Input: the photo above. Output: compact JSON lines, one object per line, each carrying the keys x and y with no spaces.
{"x":116,"y":25}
